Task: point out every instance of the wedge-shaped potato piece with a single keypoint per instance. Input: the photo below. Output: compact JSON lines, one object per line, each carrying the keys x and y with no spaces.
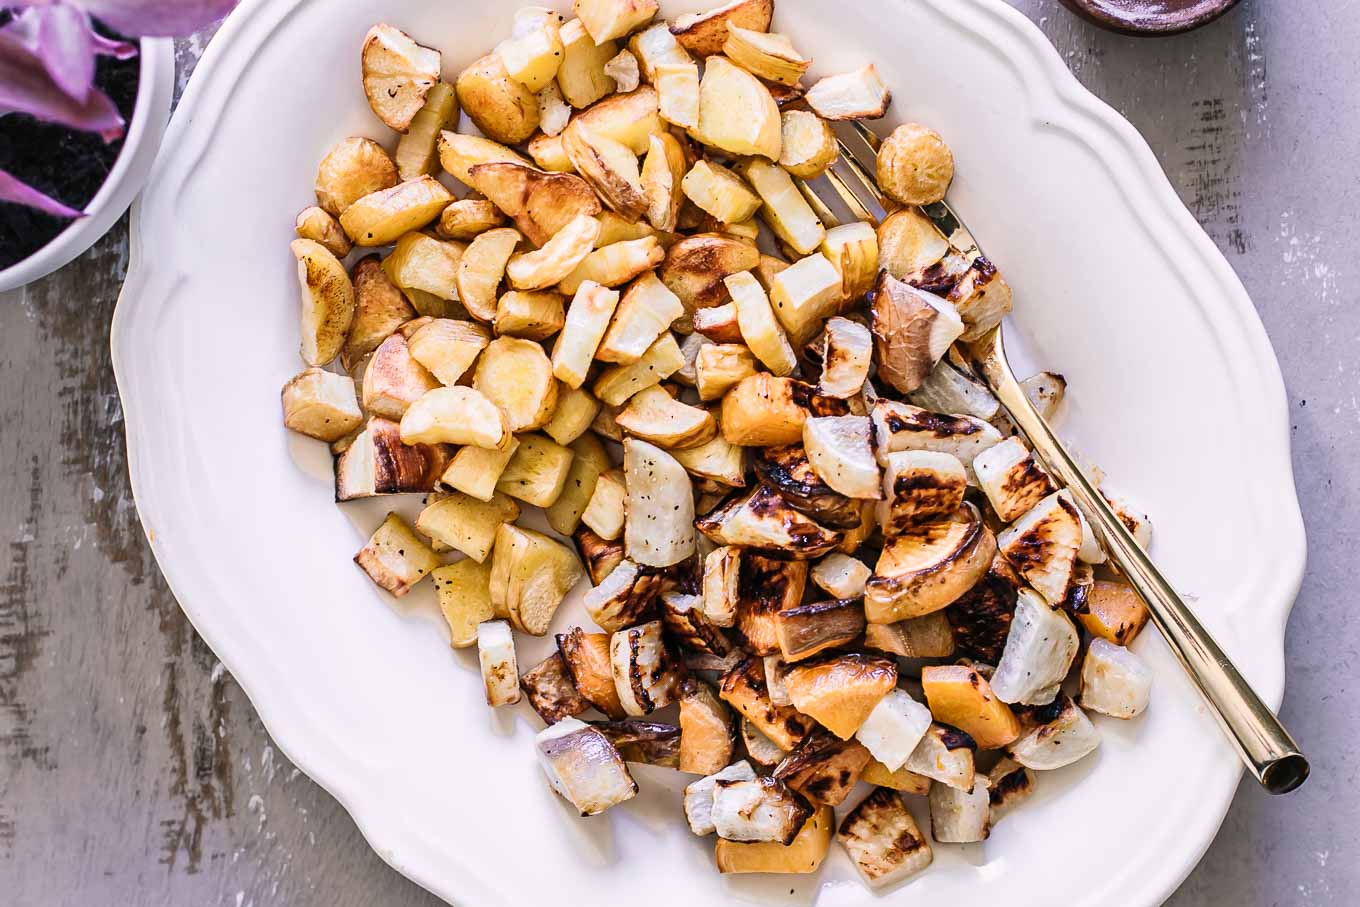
{"x":912,"y":332}
{"x":663,"y":170}
{"x":677,"y":86}
{"x":380,"y":310}
{"x":608,"y":507}
{"x":393,"y":381}
{"x":551,"y":691}
{"x":647,"y":309}
{"x":823,"y":769}
{"x":610,"y":167}
{"x":720,"y":193}
{"x":722,"y":585}
{"x":840,"y":691}
{"x":690,"y":627}
{"x":745,"y":689}
{"x":717,"y":461}
{"x":328,"y":302}
{"x":319,"y":226}
{"x":500,"y":669}
{"x":655,"y":46}
{"x":841,"y":575}
{"x":783,"y":206}
{"x":538,"y":471}
{"x":654,"y":415}
{"x":737,"y":114}
{"x":416,"y":155}
{"x":706,"y":741}
{"x":804,"y":855}
{"x":853,"y":251}
{"x":616,"y":264}
{"x":846,"y":350}
{"x":606,"y":20}
{"x":468,"y":218}
{"x":630,"y":119}
{"x":377,"y":462}
{"x":760,"y":329}
{"x":789,"y":471}
{"x":530,"y":575}
{"x":383,"y":217}
{"x":587,"y":659}
{"x":915,"y":166}
{"x":582,"y":77}
{"x":459,"y":153}
{"x":504,"y":110}
{"x":699,"y":794}
{"x":482,"y":268}
{"x":804,"y":295}
{"x":808,"y":146}
{"x":840,"y":451}
{"x":946,"y":755}
{"x":721,"y":366}
{"x":454,"y":415}
{"x":583,"y":767}
{"x":476,"y":470}
{"x":1065,"y":737}
{"x":533,"y":53}
{"x":928,"y":567}
{"x":395,"y":557}
{"x":929,"y":636}
{"x":540,"y":203}
{"x":533,"y":315}
{"x":765,"y":410}
{"x":1042,"y":546}
{"x":920,"y":486}
{"x":765,"y":588}
{"x":617,"y":385}
{"x":763,"y":520}
{"x":805,"y":630}
{"x":894,"y":729}
{"x":660,"y":525}
{"x":961,"y":697}
{"x":576,"y":409}
{"x":909,"y":244}
{"x":1113,"y":611}
{"x":587,"y":320}
{"x":771,"y":57}
{"x":760,"y":810}
{"x":857,"y":95}
{"x":901,"y":426}
{"x":351,"y":170}
{"x":421,"y":262}
{"x":516,"y":375}
{"x":322,"y":405}
{"x":705,"y":34}
{"x":464,"y":590}
{"x":398,"y":75}
{"x":961,"y":817}
{"x":720,"y":324}
{"x":1039,"y":652}
{"x":629,"y":595}
{"x":883,"y":840}
{"x":547,"y":266}
{"x":645,"y":674}
{"x":564,"y":514}
{"x":696,"y":267}
{"x":1012,"y":478}
{"x":466,"y":524}
{"x":1114,"y":681}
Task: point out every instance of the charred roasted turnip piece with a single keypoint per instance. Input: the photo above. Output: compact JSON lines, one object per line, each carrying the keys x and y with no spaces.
{"x":745,"y":689}
{"x":952,"y":389}
{"x":1012,"y":479}
{"x":1039,"y":652}
{"x":912,"y":331}
{"x":690,"y":627}
{"x":395,"y":557}
{"x":645,"y":674}
{"x":378,"y":463}
{"x":840,"y":450}
{"x":647,"y":742}
{"x":500,"y":670}
{"x":763,"y":809}
{"x":919,"y":486}
{"x":883,"y":840}
{"x":901,"y":426}
{"x":629,"y":595}
{"x":583,"y":767}
{"x":707,"y":732}
{"x":587,"y":659}
{"x":1066,"y":737}
{"x":805,"y":630}
{"x":551,"y":690}
{"x":928,"y":636}
{"x":945,"y":755}
{"x":790,"y":472}
{"x":840,"y":691}
{"x":981,"y":619}
{"x":928,"y":567}
{"x":961,"y":817}
{"x":823,"y":768}
{"x":856,"y":95}
{"x":846,"y":352}
{"x":961,"y":697}
{"x":765,"y":588}
{"x":1043,"y":545}
{"x":660,"y":529}
{"x":721,"y":589}
{"x":1113,"y":611}
{"x":699,"y":795}
{"x":1009,"y":785}
{"x":841,"y":575}
{"x":763,"y":520}
{"x":1114,"y":681}
{"x":894,"y":729}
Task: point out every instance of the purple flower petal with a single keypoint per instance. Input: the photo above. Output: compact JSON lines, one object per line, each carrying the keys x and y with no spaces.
{"x":158,"y":18}
{"x":107,"y":47}
{"x":26,"y":87}
{"x":12,"y":190}
{"x":66,"y":48}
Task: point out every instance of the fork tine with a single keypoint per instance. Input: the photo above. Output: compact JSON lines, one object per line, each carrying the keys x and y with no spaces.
{"x":848,"y":196}
{"x":869,"y":183}
{"x":819,"y":207}
{"x":869,"y":137}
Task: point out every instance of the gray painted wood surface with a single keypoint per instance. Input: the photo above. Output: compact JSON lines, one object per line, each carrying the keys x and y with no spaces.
{"x":133,"y":770}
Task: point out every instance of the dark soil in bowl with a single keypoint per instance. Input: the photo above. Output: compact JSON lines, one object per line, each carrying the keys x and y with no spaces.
{"x":70,"y":166}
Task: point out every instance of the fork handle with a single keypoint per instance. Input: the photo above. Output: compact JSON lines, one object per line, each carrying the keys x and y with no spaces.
{"x":1260,"y":739}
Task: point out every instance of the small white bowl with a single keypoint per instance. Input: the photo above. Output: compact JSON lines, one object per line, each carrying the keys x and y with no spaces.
{"x":155,"y":91}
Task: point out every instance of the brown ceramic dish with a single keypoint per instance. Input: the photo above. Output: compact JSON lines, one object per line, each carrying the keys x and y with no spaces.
{"x":1150,"y":17}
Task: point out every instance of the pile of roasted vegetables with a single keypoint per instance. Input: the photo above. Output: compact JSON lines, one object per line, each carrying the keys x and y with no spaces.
{"x":810,"y":532}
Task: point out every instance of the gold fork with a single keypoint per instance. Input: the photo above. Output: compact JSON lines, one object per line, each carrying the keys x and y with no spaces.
{"x":1258,"y":736}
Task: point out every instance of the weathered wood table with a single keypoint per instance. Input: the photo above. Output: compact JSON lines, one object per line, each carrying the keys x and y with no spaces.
{"x":134,"y":772}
